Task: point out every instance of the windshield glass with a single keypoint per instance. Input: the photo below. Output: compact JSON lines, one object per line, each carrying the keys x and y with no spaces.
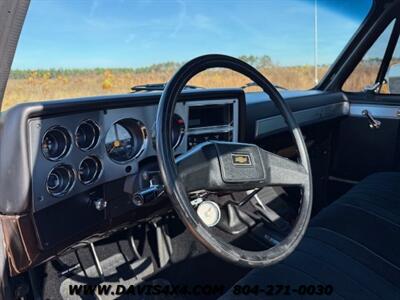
{"x":74,"y":48}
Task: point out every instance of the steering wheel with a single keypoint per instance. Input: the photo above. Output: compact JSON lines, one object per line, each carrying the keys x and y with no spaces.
{"x":228,"y":166}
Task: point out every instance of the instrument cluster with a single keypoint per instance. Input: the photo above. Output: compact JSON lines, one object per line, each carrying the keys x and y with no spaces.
{"x":125,"y":140}
{"x":71,"y":154}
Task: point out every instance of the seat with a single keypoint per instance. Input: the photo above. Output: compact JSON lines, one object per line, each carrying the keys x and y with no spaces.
{"x":352,"y":245}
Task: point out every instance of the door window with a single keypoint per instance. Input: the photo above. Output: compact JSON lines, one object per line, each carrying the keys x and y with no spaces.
{"x":365,"y":75}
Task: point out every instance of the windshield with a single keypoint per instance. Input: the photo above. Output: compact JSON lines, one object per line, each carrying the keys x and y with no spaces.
{"x":71,"y":48}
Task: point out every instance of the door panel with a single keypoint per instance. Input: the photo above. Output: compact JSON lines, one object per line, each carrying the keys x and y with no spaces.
{"x":360,"y":150}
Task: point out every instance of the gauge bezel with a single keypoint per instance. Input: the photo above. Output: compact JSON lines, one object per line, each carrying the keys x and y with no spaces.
{"x":68,"y":142}
{"x":71,"y":180}
{"x":133,"y":126}
{"x":97,"y":173}
{"x":181,"y":134}
{"x":97,"y":133}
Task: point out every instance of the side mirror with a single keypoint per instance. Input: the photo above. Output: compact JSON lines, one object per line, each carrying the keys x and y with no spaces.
{"x":393,"y":79}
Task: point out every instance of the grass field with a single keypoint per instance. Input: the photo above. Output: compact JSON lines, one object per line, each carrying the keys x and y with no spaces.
{"x":37,"y":85}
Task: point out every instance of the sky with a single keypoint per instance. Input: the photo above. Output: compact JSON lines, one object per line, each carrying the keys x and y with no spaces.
{"x":137,"y":33}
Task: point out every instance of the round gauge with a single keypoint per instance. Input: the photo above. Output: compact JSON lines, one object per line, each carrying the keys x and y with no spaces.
{"x":125,"y":140}
{"x":178,"y":130}
{"x":56,"y":143}
{"x":60,"y":180}
{"x":87,"y":135}
{"x":209,"y":213}
{"x":89,"y":170}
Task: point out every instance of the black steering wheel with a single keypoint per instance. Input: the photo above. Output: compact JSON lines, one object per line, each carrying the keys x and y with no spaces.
{"x":229,"y":166}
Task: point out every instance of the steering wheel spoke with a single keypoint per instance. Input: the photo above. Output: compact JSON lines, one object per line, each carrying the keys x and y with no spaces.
{"x":282,"y":171}
{"x":199,"y":168}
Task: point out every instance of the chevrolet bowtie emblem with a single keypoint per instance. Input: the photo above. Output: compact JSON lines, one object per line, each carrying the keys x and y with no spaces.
{"x":241,"y":159}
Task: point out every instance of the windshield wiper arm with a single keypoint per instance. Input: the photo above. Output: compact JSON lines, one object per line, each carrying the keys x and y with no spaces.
{"x":252,"y":83}
{"x":157,"y":87}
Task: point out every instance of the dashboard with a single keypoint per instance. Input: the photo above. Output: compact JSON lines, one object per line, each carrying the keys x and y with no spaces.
{"x":63,"y":148}
{"x":73,"y":153}
{"x":78,"y":164}
{"x":70,"y":169}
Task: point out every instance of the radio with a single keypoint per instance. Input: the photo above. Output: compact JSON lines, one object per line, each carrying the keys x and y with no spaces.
{"x":212,"y":122}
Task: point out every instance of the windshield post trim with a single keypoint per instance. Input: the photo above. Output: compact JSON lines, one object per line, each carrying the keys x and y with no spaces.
{"x":12,"y":17}
{"x":391,"y":47}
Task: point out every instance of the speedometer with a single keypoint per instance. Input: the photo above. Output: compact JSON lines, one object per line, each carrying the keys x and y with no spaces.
{"x":177,"y":132}
{"x":125,"y":140}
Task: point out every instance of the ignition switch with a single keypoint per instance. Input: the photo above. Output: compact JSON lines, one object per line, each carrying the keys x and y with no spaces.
{"x":146,"y":186}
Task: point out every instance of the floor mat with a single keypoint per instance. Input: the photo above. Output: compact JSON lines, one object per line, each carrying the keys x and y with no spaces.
{"x":113,"y":267}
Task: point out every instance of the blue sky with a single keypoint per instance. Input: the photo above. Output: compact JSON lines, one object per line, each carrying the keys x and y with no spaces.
{"x":133,"y":33}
